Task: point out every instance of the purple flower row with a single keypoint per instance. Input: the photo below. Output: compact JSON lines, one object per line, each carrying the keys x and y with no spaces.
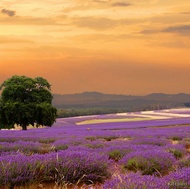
{"x":176,"y":180}
{"x":65,"y":166}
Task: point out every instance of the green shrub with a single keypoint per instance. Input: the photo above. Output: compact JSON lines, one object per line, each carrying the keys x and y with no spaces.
{"x":116,"y":155}
{"x":91,"y":138}
{"x":47,"y":140}
{"x":176,"y":138}
{"x":61,"y":147}
{"x":153,"y":162}
{"x":184,"y":162}
{"x":94,"y":146}
{"x":178,"y":154}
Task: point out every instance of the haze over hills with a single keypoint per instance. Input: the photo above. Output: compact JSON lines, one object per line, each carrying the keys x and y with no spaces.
{"x":100,"y":100}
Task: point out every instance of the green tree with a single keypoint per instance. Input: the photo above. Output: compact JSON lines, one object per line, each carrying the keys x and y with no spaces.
{"x":26,"y":101}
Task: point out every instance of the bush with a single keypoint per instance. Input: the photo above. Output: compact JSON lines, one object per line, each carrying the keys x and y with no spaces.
{"x":95,"y":144}
{"x":63,"y":167}
{"x":26,"y":147}
{"x":176,"y":138}
{"x":153,"y":162}
{"x":91,"y":138}
{"x":177,"y":153}
{"x":179,"y":179}
{"x":134,"y":181}
{"x":151,"y":141}
{"x":118,"y":152}
{"x":109,"y":138}
{"x":61,"y":147}
{"x":116,"y":155}
{"x":84,"y":166}
{"x":184,"y":162}
{"x":21,"y":170}
{"x":177,"y":150}
{"x":47,"y":140}
{"x":187,"y":145}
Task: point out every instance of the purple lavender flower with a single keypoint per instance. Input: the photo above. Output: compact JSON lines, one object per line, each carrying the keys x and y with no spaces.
{"x":151,"y":141}
{"x":152,"y":162}
{"x":179,"y":179}
{"x":177,"y":150}
{"x":135,"y":181}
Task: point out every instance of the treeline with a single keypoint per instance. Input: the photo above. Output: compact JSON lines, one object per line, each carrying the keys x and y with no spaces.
{"x":73,"y":112}
{"x":187,"y":104}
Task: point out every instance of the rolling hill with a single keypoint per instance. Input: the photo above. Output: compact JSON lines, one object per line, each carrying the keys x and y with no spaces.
{"x":100,"y":100}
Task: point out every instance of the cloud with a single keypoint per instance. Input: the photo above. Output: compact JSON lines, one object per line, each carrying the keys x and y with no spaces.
{"x":181,"y":29}
{"x":121,"y":4}
{"x":149,"y":31}
{"x":102,"y":23}
{"x":9,"y":39}
{"x":100,"y":1}
{"x":95,"y":23}
{"x":17,"y":20}
{"x":8,"y":12}
{"x":185,"y":12}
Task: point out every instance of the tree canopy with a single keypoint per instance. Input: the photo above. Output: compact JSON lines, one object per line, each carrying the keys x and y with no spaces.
{"x":25,"y":101}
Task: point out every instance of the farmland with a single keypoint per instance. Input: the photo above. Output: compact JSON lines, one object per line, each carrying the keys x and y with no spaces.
{"x":115,"y":151}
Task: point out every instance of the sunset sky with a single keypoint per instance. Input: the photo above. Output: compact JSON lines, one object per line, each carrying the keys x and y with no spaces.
{"x":121,"y":47}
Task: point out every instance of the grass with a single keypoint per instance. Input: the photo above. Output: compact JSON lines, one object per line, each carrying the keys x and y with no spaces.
{"x":94,"y":121}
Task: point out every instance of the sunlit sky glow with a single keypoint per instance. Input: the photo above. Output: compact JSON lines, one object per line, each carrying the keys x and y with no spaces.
{"x":110,"y":46}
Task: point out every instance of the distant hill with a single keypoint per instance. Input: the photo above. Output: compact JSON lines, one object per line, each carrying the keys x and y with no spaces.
{"x":100,"y":100}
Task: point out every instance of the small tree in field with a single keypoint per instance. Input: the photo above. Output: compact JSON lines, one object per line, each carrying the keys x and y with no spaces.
{"x":26,"y":101}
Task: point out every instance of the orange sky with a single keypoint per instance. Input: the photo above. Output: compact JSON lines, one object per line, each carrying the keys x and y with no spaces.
{"x":110,"y":46}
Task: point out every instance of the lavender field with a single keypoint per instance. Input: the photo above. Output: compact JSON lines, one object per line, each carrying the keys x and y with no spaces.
{"x":141,"y":150}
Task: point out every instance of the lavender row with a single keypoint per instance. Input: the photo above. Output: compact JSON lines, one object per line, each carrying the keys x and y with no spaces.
{"x":65,"y":166}
{"x":177,"y":180}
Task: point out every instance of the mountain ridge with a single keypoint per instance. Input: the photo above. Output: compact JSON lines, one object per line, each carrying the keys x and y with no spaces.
{"x":97,"y":99}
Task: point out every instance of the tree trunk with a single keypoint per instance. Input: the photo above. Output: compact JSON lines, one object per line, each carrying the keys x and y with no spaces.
{"x":24,"y":127}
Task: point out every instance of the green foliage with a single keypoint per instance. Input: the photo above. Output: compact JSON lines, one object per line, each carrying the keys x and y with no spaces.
{"x":176,"y":138}
{"x":61,"y":147}
{"x":149,"y":163}
{"x":187,"y":104}
{"x":87,"y":111}
{"x":109,"y":138}
{"x":91,"y":138}
{"x":95,"y":145}
{"x":26,"y":101}
{"x":116,"y":155}
{"x":184,"y":162}
{"x":177,"y":153}
{"x":134,"y":165}
{"x":140,"y":164}
{"x":186,"y":142}
{"x":186,"y":139}
{"x":47,"y":140}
